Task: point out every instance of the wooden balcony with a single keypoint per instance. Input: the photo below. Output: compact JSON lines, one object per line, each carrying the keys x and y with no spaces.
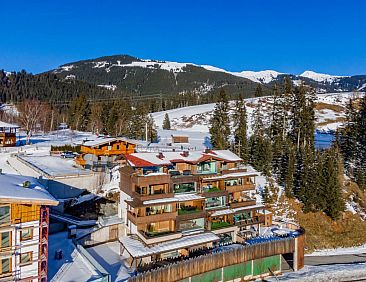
{"x":179,"y":179}
{"x":151,"y":218}
{"x":146,"y":180}
{"x":145,"y":197}
{"x":240,"y":188}
{"x":244,"y":203}
{"x":191,"y":215}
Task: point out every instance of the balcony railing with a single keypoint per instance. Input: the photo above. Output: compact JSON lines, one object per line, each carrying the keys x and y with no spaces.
{"x":242,"y":203}
{"x":240,"y":187}
{"x":151,"y":218}
{"x":153,"y":179}
{"x":250,"y":221}
{"x":188,"y":210}
{"x":154,"y":234}
{"x":220,"y":225}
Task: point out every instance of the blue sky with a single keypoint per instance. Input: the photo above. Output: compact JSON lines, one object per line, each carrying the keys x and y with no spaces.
{"x":288,"y":35}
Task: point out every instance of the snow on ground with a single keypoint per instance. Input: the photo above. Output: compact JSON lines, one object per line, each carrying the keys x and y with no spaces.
{"x":334,"y":272}
{"x":113,"y":185}
{"x":196,"y":118}
{"x":108,"y":86}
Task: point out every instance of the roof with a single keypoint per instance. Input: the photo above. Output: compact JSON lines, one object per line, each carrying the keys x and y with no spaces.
{"x":8,"y":125}
{"x":102,"y":141}
{"x":232,"y":211}
{"x":232,"y":175}
{"x":12,"y":191}
{"x":168,"y":158}
{"x":137,"y":249}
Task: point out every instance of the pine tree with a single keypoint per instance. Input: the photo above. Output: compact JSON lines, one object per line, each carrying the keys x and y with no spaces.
{"x":260,"y":144}
{"x":329,"y":183}
{"x":258,"y":91}
{"x":220,"y":123}
{"x":166,"y":122}
{"x":240,"y":132}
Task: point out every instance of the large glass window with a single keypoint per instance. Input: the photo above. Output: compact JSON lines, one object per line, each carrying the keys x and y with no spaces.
{"x":215,"y":202}
{"x":234,"y":182}
{"x":5,"y":266}
{"x":206,"y":167}
{"x":4,"y":215}
{"x":158,"y":209}
{"x":5,"y":239}
{"x":193,"y":224}
{"x":184,"y":188}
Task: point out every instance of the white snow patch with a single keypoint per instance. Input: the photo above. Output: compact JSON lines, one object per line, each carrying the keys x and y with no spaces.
{"x":320,"y":77}
{"x":108,"y":86}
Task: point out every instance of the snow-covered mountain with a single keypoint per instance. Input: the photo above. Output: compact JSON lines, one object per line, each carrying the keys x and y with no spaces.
{"x":145,"y":77}
{"x":320,"y":77}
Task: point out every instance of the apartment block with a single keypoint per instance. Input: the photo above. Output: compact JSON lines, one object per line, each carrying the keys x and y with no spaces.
{"x":170,"y":195}
{"x":24,"y":224}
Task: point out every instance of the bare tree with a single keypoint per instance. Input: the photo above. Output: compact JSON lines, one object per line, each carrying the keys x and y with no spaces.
{"x":30,"y":113}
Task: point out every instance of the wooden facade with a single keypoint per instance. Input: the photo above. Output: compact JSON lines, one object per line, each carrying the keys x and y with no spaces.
{"x":103,"y":152}
{"x":230,"y":191}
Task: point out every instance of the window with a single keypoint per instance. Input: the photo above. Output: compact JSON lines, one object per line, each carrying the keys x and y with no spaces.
{"x":206,"y":167}
{"x":26,"y":234}
{"x":4,"y":215}
{"x":5,"y":239}
{"x":5,"y":266}
{"x":26,"y":258}
{"x":117,"y":146}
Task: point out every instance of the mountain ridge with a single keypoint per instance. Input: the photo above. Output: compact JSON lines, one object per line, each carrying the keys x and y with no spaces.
{"x":148,"y":76}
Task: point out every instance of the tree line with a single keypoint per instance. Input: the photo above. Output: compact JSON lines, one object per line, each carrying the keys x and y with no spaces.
{"x":281,"y":145}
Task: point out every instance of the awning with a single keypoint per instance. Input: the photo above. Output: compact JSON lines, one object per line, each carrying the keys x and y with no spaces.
{"x":176,"y":198}
{"x":137,"y":249}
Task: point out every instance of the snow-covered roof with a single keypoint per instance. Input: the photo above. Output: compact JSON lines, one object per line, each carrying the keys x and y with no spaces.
{"x":167,"y":158}
{"x":176,"y":198}
{"x":12,"y":191}
{"x":137,"y":249}
{"x":8,"y":125}
{"x":232,"y":175}
{"x":231,"y":211}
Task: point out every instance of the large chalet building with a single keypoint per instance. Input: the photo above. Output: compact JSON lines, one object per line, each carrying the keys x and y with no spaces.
{"x":103,"y":152}
{"x":170,"y":195}
{"x":24,"y":225}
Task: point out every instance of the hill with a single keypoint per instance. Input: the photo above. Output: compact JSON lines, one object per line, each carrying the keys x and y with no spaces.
{"x":146,"y":77}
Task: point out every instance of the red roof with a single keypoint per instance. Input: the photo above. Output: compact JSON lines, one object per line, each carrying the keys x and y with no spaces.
{"x":138,"y":162}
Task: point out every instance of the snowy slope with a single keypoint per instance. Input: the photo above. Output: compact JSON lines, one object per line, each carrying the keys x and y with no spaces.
{"x":196,"y":118}
{"x":320,"y":77}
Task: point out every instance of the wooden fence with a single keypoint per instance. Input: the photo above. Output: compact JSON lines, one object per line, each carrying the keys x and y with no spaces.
{"x":188,"y":268}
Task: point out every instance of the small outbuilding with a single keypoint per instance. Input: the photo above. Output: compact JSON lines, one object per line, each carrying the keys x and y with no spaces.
{"x":8,"y":134}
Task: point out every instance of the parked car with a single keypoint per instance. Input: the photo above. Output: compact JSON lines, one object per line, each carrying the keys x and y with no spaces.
{"x":68,"y":155}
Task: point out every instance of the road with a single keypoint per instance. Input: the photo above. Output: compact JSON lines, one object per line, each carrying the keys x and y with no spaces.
{"x":325,"y":260}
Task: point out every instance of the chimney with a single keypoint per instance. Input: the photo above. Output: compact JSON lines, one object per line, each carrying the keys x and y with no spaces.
{"x":160,"y":155}
{"x":207,"y":151}
{"x":185,"y":154}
